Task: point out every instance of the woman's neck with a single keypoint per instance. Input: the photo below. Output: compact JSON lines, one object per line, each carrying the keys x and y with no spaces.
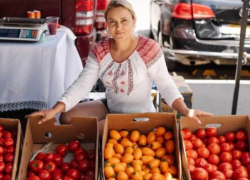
{"x":123,"y":45}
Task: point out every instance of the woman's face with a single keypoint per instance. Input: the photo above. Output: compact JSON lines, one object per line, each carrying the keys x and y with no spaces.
{"x":120,"y":23}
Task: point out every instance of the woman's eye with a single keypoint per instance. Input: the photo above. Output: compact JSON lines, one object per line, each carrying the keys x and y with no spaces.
{"x":124,"y":20}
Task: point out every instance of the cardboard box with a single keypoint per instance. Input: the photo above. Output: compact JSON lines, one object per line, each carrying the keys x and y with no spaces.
{"x":224,"y":124}
{"x":144,"y":123}
{"x":83,"y":129}
{"x":14,"y":124}
{"x":186,"y":92}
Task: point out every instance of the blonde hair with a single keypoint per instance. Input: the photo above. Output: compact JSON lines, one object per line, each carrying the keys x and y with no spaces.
{"x":119,"y":3}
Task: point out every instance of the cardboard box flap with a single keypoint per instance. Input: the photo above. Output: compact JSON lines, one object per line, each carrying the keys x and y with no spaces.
{"x":9,"y":124}
{"x":145,"y":122}
{"x":49,"y":129}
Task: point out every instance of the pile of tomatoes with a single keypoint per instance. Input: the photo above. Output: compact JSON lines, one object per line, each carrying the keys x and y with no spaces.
{"x":7,"y":152}
{"x":140,"y":157}
{"x":51,"y":166}
{"x":214,"y":157}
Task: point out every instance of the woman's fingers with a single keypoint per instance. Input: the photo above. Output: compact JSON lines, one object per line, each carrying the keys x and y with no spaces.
{"x":37,"y":113}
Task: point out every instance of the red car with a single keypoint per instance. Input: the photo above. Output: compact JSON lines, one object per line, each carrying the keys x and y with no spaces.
{"x":84,"y":17}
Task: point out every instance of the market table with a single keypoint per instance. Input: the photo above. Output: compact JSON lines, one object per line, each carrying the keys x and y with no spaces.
{"x":33,"y":75}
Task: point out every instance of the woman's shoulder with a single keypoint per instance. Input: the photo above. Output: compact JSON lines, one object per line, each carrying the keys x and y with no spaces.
{"x":149,"y":50}
{"x":101,"y":48}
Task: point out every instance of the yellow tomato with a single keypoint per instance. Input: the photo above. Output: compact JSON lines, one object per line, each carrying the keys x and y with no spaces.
{"x":115,"y":135}
{"x":160,"y":131}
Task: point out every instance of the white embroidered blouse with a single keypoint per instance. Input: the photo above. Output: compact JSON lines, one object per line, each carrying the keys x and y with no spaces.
{"x":128,"y":83}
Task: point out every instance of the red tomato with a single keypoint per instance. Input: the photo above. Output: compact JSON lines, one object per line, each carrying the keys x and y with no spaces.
{"x":58,"y":160}
{"x":36,"y":165}
{"x":236,"y":154}
{"x":186,"y":134}
{"x":8,"y":168}
{"x":50,"y":167}
{"x":192,"y":137}
{"x":191,"y":168}
{"x":248,"y":168}
{"x":222,"y":139}
{"x":90,"y":175}
{"x":241,"y":135}
{"x":49,"y":157}
{"x":203,"y":152}
{"x":218,"y":175}
{"x":92,"y":164}
{"x":2,"y":165}
{"x":65,"y":167}
{"x":241,"y":167}
{"x":7,"y":134}
{"x":44,"y":175}
{"x":228,"y":173}
{"x":230,"y":137}
{"x":213,"y":159}
{"x":197,"y":143}
{"x":73,"y":164}
{"x":241,"y":145}
{"x":201,"y":133}
{"x":7,"y":177}
{"x":245,"y":158}
{"x":57,"y":175}
{"x":30,"y":173}
{"x":235,"y":163}
{"x":91,"y":154}
{"x":40,"y":156}
{"x":213,"y":140}
{"x":225,"y":165}
{"x":66,"y":178}
{"x":8,"y":142}
{"x":200,"y":174}
{"x":1,"y":128}
{"x":209,"y":168}
{"x":33,"y":177}
{"x":9,"y":157}
{"x":240,"y":173}
{"x":80,"y":150}
{"x":73,"y":173}
{"x":232,"y":146}
{"x":73,"y":145}
{"x":11,"y":149}
{"x":2,"y":150}
{"x":62,"y":149}
{"x":188,"y":144}
{"x":225,"y":147}
{"x":211,"y":132}
{"x":214,"y":148}
{"x":226,"y":157}
{"x":200,"y":162}
{"x":190,"y":161}
{"x":192,"y":154}
{"x":84,"y":165}
{"x":81,"y":156}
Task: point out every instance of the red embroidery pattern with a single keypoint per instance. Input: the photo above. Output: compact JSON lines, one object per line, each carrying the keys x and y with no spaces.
{"x":149,"y":51}
{"x":101,"y":49}
{"x":110,"y":73}
{"x":122,"y":91}
{"x":123,"y":73}
{"x":104,"y":72}
{"x":130,"y":77}
{"x":122,"y":82}
{"x":114,"y":81}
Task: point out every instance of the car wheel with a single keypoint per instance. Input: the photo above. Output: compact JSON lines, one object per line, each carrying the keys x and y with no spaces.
{"x":169,"y":56}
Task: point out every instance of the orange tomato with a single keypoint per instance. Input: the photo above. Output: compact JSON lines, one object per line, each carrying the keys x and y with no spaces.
{"x":112,"y":141}
{"x":151,"y":137}
{"x":111,"y":179}
{"x":109,"y":172}
{"x":164,"y":166}
{"x":147,"y":176}
{"x":113,"y":160}
{"x":137,"y":162}
{"x":119,"y":148}
{"x":157,"y":176}
{"x":126,"y":143}
{"x":169,"y":158}
{"x":118,"y":156}
{"x":146,"y":170}
{"x":155,"y":145}
{"x":148,"y":151}
{"x":168,"y":135}
{"x":129,"y":150}
{"x":115,"y":135}
{"x":124,"y":134}
{"x":127,"y":158}
{"x":135,"y":145}
{"x":135,"y":135}
{"x":142,"y":173}
{"x":109,"y":145}
{"x":160,"y":152}
{"x":122,"y":176}
{"x":142,"y":141}
{"x":160,"y":139}
{"x":168,"y":176}
{"x":170,"y":146}
{"x":137,"y":176}
{"x":119,"y":167}
{"x":155,"y":170}
{"x":137,"y":167}
{"x":137,"y":153}
{"x":154,"y":163}
{"x":129,"y":170}
{"x":172,"y":170}
{"x":160,"y":131}
{"x":146,"y":159}
{"x":108,"y":152}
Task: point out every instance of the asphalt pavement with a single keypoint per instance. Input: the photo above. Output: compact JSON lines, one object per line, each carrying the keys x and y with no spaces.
{"x":216,"y":96}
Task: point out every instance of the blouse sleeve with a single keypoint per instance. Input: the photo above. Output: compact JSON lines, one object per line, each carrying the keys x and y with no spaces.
{"x":159,"y":73}
{"x":83,"y":84}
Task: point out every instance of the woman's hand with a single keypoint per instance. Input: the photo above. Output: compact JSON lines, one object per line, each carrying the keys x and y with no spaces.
{"x":46,"y":114}
{"x":193,"y":113}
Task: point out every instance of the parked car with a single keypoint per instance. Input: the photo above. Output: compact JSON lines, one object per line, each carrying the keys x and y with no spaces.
{"x":84,"y":17}
{"x":195,"y":32}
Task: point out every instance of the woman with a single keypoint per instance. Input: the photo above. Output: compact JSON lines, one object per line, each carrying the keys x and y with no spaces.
{"x":126,"y":64}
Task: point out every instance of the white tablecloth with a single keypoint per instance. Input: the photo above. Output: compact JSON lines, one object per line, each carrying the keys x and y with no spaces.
{"x":35,"y":74}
